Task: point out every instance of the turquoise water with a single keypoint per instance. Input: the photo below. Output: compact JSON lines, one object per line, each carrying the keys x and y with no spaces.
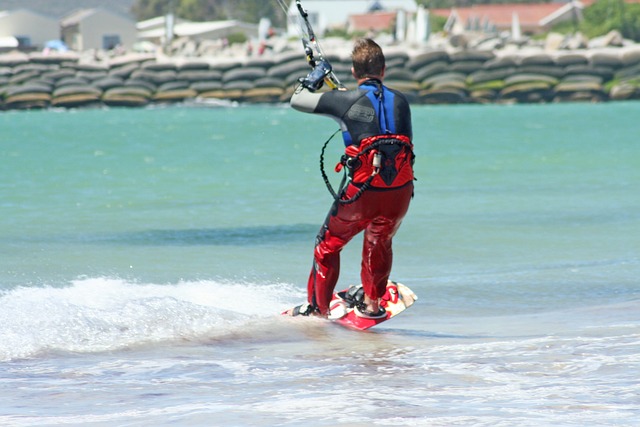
{"x":144,"y":253}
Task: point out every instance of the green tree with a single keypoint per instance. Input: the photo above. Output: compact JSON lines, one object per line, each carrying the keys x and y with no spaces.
{"x":211,"y":10}
{"x":147,"y":9}
{"x":606,"y":15}
{"x":201,"y":10}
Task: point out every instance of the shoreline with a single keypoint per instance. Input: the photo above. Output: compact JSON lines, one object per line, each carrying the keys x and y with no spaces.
{"x":425,"y":75}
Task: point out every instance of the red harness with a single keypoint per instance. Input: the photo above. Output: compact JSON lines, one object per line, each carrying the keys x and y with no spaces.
{"x":386,"y":158}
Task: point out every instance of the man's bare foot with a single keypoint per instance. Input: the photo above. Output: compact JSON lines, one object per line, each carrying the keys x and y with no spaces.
{"x":372,"y":309}
{"x":373,"y":305}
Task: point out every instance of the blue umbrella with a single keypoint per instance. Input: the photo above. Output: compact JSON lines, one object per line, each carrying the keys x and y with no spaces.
{"x":58,"y":45}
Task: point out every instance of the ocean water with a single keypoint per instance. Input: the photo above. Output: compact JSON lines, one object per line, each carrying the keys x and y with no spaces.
{"x":145,"y":255}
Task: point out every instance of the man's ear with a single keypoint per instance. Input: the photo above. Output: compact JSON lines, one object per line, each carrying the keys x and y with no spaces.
{"x":353,"y":73}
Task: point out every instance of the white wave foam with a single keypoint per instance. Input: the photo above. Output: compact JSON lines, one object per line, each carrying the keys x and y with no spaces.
{"x":102,"y":314}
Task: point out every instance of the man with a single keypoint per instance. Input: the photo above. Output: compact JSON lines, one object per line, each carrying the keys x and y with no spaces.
{"x":376,"y":128}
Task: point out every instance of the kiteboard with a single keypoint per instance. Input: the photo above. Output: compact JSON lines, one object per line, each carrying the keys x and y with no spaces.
{"x":396,"y":299}
{"x":343,"y":311}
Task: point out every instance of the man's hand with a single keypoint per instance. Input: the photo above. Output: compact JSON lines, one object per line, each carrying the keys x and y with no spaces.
{"x":315,"y":78}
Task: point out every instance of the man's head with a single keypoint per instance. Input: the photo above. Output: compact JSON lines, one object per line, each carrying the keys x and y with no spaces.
{"x":368,"y":60}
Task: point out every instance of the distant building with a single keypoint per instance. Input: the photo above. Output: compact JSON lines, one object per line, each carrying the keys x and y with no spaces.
{"x":532,"y":18}
{"x":97,"y":29}
{"x":155,"y":30}
{"x":327,"y":14}
{"x":374,"y":21}
{"x":159,"y":22}
{"x":25,"y":29}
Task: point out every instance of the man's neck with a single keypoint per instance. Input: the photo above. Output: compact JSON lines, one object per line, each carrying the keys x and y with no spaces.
{"x":365,"y":79}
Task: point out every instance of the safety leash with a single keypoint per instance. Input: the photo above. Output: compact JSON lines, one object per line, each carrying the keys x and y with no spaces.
{"x":337,"y":196}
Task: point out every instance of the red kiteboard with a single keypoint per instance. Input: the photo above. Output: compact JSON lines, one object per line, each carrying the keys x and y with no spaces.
{"x":395,"y":300}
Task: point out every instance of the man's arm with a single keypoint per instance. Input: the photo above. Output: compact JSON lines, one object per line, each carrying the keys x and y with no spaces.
{"x":304,"y":100}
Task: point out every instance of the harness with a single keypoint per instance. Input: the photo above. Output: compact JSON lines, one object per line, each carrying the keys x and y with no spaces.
{"x":385,"y":161}
{"x":380,"y":161}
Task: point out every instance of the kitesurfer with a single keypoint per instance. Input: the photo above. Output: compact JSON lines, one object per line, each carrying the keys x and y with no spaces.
{"x":376,"y":127}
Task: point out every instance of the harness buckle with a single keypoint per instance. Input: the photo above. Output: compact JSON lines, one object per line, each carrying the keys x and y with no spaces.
{"x":344,"y":161}
{"x":377,"y":160}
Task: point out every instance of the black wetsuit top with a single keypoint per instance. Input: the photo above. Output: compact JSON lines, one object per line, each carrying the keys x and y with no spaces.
{"x":372,"y":109}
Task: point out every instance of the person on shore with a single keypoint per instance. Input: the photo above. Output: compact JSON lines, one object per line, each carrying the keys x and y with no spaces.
{"x":376,"y":127}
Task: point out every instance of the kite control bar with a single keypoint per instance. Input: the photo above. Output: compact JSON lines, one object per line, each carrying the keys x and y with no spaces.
{"x":313,"y":51}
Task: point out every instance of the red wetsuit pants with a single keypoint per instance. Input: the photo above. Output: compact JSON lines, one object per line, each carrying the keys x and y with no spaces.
{"x":377,"y":212}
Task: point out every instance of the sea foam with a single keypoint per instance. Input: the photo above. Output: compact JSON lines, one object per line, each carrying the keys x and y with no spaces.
{"x":104,"y":314}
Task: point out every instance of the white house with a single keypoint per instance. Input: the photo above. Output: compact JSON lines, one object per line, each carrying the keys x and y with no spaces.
{"x":325,"y":14}
{"x":27,"y":29}
{"x":158,"y":22}
{"x":97,"y":29}
{"x":196,"y":30}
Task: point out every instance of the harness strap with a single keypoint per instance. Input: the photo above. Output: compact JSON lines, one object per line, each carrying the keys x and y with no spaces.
{"x":351,"y":159}
{"x":390,"y":157}
{"x":336,"y":195}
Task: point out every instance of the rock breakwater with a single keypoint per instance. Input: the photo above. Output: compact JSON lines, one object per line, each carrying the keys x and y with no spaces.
{"x":426,"y":76}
